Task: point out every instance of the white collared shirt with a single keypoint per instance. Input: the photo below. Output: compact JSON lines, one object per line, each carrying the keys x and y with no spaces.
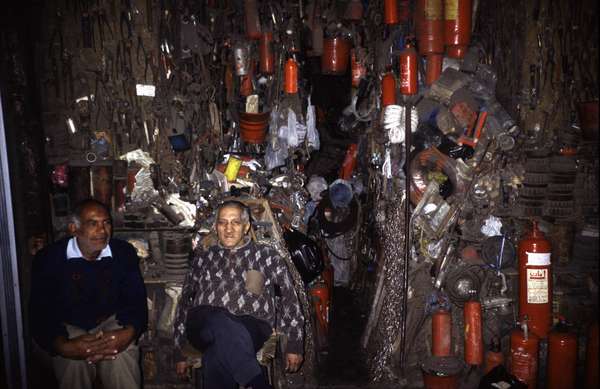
{"x":73,"y":250}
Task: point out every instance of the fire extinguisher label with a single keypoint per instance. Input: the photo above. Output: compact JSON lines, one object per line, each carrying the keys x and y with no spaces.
{"x":434,"y":10}
{"x":451,"y":9}
{"x":538,"y":259}
{"x":537,"y":286}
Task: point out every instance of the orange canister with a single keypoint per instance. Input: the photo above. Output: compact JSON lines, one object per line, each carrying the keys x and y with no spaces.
{"x":390,"y":12}
{"x":266,"y":53}
{"x":336,"y":55}
{"x":433,"y":68}
{"x":388,"y":89}
{"x":523,"y":358}
{"x":441,"y":372}
{"x":290,"y":76}
{"x":457,"y":34}
{"x":441,"y":333}
{"x":562,"y":359}
{"x":473,"y":333}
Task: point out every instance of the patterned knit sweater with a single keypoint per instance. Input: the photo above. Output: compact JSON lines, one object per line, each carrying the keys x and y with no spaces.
{"x":218,"y":279}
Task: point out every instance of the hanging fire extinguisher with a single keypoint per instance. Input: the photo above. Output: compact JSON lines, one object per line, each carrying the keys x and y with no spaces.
{"x":535,"y":281}
{"x":290,"y":76}
{"x":429,"y":22}
{"x":433,"y":68}
{"x":493,"y":357}
{"x":349,"y":162}
{"x":320,"y":298}
{"x":357,"y":67}
{"x":266,"y":53}
{"x":388,"y":89}
{"x":562,"y":358}
{"x":523,"y":362}
{"x":253,"y":30}
{"x":457,"y":26}
{"x":441,"y":333}
{"x":390,"y":9}
{"x":473,"y":334}
{"x":408,"y":70}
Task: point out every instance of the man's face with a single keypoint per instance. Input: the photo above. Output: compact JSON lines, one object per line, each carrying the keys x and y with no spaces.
{"x":230,"y":227}
{"x":94,"y":232}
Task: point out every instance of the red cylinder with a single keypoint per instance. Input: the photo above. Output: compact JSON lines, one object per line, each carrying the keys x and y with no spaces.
{"x":266,"y":53}
{"x":290,"y":77}
{"x":429,"y":22}
{"x":562,"y":360}
{"x":253,"y":30}
{"x":433,"y":69}
{"x":390,"y":8}
{"x":320,"y":298}
{"x":388,"y":89}
{"x":327,"y":275}
{"x":591,"y":358}
{"x":493,"y":357}
{"x":457,"y":26}
{"x":473,"y":334}
{"x":246,"y":87}
{"x":349,"y":162}
{"x":441,"y":333}
{"x":358,"y":69}
{"x":523,"y":360}
{"x":335,"y":57}
{"x":408,"y":71}
{"x":441,"y":372}
{"x":535,"y":282}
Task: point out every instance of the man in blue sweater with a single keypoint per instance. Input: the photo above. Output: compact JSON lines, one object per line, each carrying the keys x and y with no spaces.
{"x":88,"y":304}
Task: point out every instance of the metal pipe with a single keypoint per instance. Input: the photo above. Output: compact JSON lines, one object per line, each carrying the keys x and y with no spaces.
{"x":407,"y":134}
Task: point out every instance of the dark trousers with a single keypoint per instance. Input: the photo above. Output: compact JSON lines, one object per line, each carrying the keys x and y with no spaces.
{"x":228,"y":343}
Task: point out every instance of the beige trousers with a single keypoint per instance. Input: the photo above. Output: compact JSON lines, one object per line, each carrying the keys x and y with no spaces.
{"x":121,"y":373}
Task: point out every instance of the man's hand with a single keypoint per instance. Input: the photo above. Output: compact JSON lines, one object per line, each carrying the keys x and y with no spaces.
{"x":181,"y":369}
{"x":293,"y":362}
{"x":95,"y":347}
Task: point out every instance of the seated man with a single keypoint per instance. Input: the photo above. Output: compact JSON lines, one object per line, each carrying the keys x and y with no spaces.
{"x":227,"y":307}
{"x":88,"y":304}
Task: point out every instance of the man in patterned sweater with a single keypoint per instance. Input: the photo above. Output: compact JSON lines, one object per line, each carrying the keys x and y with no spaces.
{"x":227,"y":307}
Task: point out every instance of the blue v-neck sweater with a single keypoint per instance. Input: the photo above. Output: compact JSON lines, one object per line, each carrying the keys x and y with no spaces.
{"x":85,"y":293}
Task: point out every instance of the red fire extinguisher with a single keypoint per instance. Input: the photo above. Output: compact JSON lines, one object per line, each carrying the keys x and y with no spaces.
{"x":591,"y":358}
{"x":493,"y":357}
{"x":433,"y":68}
{"x":388,"y":89}
{"x":441,"y":333}
{"x":562,"y":358}
{"x":266,"y":53}
{"x":429,"y":22}
{"x":253,"y":30}
{"x":473,"y":334}
{"x":349,"y":162}
{"x":408,"y":71}
{"x":523,"y":362}
{"x":390,"y":8}
{"x":357,"y":67}
{"x":458,"y":26}
{"x":320,"y":299}
{"x":290,"y":76}
{"x":535,"y":281}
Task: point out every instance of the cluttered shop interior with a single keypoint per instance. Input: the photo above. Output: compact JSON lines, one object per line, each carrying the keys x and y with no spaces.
{"x":325,"y":194}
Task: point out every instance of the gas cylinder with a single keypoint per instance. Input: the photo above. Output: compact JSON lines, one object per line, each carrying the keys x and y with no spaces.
{"x":388,"y":89}
{"x":290,"y":76}
{"x":535,"y":281}
{"x":320,"y":298}
{"x":457,"y":26}
{"x":357,"y":68}
{"x":433,"y":68}
{"x":473,"y":334}
{"x":591,"y":358}
{"x":493,"y":357}
{"x":253,"y":30}
{"x":429,"y":22}
{"x":441,"y":333}
{"x":390,"y":8}
{"x":562,"y":358}
{"x":266,"y":53}
{"x":408,"y":71}
{"x":336,"y":53}
{"x":349,"y":162}
{"x":523,"y":360}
